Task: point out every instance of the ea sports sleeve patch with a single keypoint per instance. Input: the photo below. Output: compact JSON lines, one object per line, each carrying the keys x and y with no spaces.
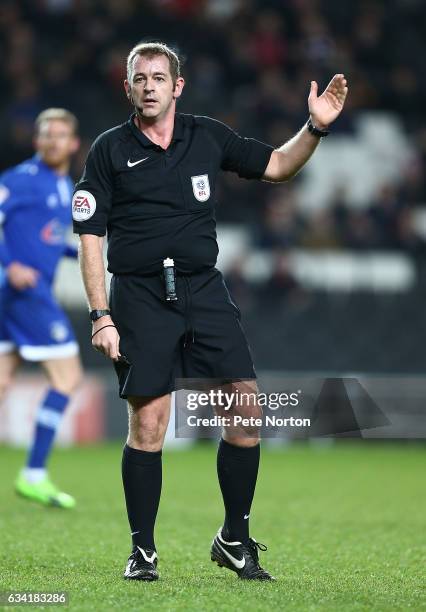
{"x":92,"y":197}
{"x":83,"y":205}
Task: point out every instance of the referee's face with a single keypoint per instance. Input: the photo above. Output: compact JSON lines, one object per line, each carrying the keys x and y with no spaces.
{"x":151,"y":89}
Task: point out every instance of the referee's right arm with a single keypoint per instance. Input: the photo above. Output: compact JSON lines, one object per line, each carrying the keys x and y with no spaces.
{"x":90,"y":207}
{"x":105,"y":337}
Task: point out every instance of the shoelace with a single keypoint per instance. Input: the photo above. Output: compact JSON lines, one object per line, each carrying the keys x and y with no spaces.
{"x":254,"y":546}
{"x":136,"y":554}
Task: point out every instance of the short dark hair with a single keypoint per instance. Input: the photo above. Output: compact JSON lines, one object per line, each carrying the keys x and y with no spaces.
{"x":150,"y":49}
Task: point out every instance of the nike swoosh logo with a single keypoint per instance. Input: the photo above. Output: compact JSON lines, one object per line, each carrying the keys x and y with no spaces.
{"x":145,"y":556}
{"x":246,"y":516}
{"x":239,"y":564}
{"x":131,"y":164}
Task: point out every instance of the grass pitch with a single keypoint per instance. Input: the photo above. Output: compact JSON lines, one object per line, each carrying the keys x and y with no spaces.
{"x":345,"y":526}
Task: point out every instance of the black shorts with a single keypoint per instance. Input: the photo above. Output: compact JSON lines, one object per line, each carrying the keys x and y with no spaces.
{"x":198,"y":336}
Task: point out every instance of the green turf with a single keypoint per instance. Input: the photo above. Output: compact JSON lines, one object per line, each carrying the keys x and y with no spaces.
{"x":345,"y":527}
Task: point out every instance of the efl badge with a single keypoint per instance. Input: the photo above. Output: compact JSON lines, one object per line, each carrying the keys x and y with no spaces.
{"x":201,"y":187}
{"x":83,"y":205}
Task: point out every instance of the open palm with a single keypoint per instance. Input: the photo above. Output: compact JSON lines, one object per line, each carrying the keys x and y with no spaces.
{"x":324,"y":109}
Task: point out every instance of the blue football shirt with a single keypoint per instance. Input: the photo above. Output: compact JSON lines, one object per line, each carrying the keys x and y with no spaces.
{"x":35,"y":213}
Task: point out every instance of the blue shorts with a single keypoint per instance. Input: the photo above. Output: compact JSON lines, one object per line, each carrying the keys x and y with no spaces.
{"x":32,"y":323}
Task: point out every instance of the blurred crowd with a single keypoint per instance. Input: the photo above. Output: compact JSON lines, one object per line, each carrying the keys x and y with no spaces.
{"x":248,"y":63}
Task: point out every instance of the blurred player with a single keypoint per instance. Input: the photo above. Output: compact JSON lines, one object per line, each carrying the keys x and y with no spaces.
{"x":35,"y":212}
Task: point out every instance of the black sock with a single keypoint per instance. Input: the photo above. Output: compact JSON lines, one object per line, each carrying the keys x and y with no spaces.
{"x":237,"y":469}
{"x":142,"y":475}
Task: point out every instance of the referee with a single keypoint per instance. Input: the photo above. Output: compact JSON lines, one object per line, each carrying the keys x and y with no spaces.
{"x":150,"y":184}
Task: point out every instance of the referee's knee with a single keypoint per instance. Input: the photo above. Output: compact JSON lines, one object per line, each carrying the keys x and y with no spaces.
{"x":147,"y":429}
{"x":146,"y":436}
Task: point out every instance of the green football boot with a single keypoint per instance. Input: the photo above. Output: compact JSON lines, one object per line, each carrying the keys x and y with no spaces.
{"x":43,"y":492}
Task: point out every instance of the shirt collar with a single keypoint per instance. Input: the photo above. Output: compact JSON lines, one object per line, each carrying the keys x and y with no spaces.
{"x":36,"y":159}
{"x":145,"y":141}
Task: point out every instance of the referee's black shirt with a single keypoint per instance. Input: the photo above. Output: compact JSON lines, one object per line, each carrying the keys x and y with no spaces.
{"x":156,"y":203}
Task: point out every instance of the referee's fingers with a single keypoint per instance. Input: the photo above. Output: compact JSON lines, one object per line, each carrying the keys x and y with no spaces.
{"x":113,"y":351}
{"x":106,"y":342}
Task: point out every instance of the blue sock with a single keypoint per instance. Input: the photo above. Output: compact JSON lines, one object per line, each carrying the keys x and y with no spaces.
{"x":48,"y":419}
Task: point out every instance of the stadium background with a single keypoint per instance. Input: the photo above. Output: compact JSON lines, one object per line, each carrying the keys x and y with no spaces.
{"x":328,"y":270}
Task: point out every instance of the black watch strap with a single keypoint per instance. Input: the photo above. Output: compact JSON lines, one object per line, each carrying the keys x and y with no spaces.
{"x":316,"y":131}
{"x":97,"y":314}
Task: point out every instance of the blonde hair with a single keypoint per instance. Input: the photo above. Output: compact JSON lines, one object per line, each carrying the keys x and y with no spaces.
{"x":155,"y":48}
{"x":61,"y":114}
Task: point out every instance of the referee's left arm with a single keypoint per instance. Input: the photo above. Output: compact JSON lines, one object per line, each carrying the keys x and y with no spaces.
{"x":286,"y":161}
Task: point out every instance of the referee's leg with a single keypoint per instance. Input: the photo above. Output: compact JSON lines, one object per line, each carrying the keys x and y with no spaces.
{"x":141,"y":465}
{"x":238,"y":464}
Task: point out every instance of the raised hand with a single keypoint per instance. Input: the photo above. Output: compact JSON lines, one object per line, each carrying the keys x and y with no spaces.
{"x":325,"y":109}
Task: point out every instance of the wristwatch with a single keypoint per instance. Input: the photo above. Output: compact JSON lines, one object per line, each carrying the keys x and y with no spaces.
{"x":316,"y":131}
{"x":97,"y":314}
